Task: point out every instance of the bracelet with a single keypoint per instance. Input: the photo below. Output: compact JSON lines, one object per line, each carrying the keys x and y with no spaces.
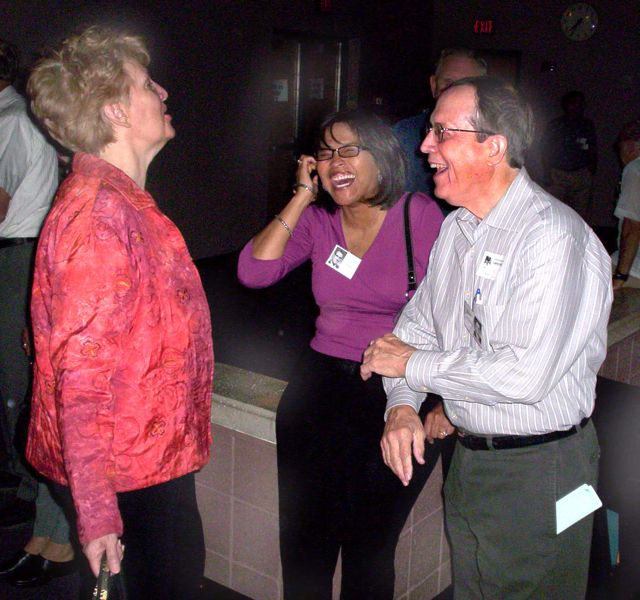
{"x":621,"y":276}
{"x":284,"y":224}
{"x":303,"y":185}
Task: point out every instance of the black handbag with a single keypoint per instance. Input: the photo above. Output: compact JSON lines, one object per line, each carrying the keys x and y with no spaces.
{"x":108,"y":586}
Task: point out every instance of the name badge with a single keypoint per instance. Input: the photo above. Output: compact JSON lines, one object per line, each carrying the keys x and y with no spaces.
{"x":575,"y":506}
{"x":342,"y":261}
{"x":477,"y":331}
{"x":490,"y":265}
{"x":472,"y":324}
{"x":583,"y":143}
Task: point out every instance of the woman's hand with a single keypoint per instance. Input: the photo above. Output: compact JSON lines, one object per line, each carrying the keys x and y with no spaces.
{"x":307,"y":166}
{"x":270,"y":243}
{"x":110,"y":544}
{"x":436,"y":425}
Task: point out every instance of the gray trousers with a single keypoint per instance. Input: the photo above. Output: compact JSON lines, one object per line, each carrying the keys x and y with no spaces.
{"x":501,"y":520}
{"x":50,"y":519}
{"x":15,"y":371}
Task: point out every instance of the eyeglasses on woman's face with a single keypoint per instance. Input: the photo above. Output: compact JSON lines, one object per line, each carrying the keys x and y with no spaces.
{"x":346,"y":151}
{"x":439,"y":131}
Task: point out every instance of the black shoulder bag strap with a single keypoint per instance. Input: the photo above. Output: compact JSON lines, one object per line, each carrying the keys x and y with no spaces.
{"x":411,"y":273}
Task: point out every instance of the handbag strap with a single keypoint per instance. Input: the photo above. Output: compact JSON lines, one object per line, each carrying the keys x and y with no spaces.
{"x":411,"y":273}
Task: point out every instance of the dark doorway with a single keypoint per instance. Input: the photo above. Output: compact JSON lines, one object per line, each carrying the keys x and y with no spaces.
{"x":308,"y":77}
{"x":503,"y":63}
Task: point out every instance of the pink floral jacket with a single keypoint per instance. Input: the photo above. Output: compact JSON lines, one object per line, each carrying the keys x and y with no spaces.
{"x":124,"y":353}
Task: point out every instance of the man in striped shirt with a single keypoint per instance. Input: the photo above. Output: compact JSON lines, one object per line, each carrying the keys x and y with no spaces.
{"x":509,"y":327}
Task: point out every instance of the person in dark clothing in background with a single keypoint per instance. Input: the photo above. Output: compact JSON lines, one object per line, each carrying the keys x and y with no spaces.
{"x":28,"y":181}
{"x":453,"y":64}
{"x":571,"y":155}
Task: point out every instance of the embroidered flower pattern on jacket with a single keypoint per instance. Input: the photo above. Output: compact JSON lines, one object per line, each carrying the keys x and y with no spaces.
{"x":124,"y":357}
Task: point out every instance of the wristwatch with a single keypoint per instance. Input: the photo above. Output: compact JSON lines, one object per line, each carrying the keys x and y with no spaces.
{"x":620,"y":276}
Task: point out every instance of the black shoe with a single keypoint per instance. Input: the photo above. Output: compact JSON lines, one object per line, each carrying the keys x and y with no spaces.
{"x":16,"y":561}
{"x":35,"y":571}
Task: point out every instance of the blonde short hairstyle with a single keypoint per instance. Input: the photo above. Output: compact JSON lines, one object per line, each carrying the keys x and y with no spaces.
{"x":69,"y":89}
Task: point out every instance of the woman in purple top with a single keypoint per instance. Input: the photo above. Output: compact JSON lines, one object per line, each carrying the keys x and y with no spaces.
{"x":335,"y":492}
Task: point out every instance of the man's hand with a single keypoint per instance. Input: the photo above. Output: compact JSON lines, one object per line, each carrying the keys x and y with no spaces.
{"x":96,"y":548}
{"x":436,"y":425}
{"x":403,"y":433}
{"x":617,"y":284}
{"x":388,"y":356}
{"x":4,"y":203}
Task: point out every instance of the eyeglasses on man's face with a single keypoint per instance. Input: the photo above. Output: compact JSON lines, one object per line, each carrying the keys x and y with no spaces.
{"x":440,"y":130}
{"x":347,"y":151}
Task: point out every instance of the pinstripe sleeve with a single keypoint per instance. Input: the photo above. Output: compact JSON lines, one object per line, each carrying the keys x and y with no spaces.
{"x":414,"y":327}
{"x":540,"y":332}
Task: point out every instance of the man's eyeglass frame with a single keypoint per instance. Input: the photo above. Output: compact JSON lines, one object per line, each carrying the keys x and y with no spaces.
{"x":439,"y":131}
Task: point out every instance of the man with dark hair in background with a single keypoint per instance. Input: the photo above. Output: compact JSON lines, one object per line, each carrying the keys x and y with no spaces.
{"x":453,"y":64}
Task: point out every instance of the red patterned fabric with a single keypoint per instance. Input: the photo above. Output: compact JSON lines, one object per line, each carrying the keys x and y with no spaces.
{"x":124,"y":353}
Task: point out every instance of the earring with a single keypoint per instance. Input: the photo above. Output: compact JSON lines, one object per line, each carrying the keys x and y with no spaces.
{"x":379,"y":178}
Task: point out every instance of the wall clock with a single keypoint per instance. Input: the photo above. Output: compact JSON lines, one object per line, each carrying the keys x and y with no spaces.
{"x":579,"y":22}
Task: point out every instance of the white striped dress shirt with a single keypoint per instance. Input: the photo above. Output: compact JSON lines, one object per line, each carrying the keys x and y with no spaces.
{"x":540,"y":319}
{"x":28,"y":168}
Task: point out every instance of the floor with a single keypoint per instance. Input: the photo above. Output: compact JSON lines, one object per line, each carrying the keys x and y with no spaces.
{"x":68,"y":588}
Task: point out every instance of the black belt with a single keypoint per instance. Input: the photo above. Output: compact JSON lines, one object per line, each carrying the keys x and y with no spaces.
{"x":505,"y":442}
{"x":6,"y":242}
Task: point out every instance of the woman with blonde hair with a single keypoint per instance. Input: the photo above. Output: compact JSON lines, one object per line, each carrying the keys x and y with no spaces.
{"x":124,"y":360}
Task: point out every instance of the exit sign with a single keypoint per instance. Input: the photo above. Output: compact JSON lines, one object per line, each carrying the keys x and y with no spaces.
{"x":483,"y":26}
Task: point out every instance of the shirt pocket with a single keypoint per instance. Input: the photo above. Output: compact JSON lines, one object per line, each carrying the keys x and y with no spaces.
{"x":486,"y":319}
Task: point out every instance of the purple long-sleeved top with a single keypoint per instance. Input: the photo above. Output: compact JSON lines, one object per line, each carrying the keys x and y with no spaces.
{"x":352,"y":311}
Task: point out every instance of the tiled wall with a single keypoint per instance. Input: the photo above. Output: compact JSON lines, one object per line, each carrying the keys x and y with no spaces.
{"x":237,"y":496}
{"x":623,"y":361}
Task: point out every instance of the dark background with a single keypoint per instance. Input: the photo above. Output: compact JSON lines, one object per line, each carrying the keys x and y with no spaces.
{"x":213,"y":58}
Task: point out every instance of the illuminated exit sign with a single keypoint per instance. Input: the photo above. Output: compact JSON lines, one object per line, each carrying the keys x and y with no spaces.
{"x":483,"y":26}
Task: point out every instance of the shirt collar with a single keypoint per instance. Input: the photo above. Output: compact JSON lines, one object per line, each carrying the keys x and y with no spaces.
{"x":92,"y":166}
{"x":510,"y":210}
{"x":8,"y":96}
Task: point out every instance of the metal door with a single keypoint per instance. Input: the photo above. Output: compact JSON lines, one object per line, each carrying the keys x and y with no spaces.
{"x":307,"y":77}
